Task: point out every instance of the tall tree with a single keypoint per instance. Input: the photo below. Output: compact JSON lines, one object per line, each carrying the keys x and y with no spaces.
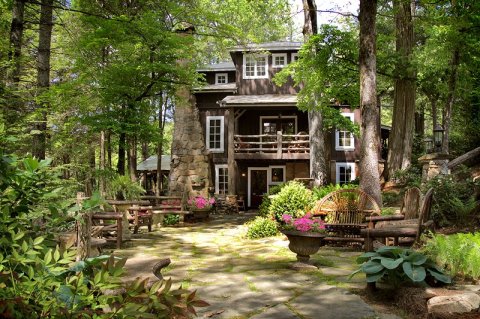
{"x":318,"y":160}
{"x":401,"y":136}
{"x":369,"y":154}
{"x":43,"y":78}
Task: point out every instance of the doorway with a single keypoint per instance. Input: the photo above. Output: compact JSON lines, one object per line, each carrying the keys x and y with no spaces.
{"x":257,"y":185}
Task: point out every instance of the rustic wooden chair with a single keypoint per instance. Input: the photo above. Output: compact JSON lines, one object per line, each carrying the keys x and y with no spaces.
{"x":345,"y":213}
{"x":141,"y":216}
{"x":403,"y":232}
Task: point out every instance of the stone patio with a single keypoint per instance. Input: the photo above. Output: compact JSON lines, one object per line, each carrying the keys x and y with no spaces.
{"x":243,"y":278}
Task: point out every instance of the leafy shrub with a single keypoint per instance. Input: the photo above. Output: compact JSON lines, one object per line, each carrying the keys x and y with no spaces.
{"x":261,"y":227}
{"x":171,"y":219}
{"x":320,"y":192}
{"x":122,"y":187}
{"x":293,"y":199}
{"x":399,"y":266}
{"x":263,"y":209}
{"x":410,"y":177}
{"x":39,"y":280}
{"x":392,"y":198}
{"x":458,"y":253}
{"x":453,"y":200}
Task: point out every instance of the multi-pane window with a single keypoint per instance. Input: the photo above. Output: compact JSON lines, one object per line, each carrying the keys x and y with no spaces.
{"x":221,"y":179}
{"x":214,"y":132}
{"x":221,"y":78}
{"x":345,"y":172}
{"x":344,"y":140}
{"x":255,"y":66}
{"x":279,"y":60}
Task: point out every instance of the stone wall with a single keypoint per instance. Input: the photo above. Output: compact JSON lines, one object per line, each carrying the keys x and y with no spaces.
{"x":190,"y":168}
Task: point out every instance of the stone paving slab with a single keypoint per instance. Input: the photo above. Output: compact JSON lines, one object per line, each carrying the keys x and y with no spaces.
{"x":244,"y":278}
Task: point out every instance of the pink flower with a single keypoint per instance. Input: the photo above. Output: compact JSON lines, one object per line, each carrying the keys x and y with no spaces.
{"x":287,"y":218}
{"x":200,"y":202}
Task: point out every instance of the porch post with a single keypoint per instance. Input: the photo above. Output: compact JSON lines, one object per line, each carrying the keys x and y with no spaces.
{"x":279,"y":144}
{"x":232,"y":186}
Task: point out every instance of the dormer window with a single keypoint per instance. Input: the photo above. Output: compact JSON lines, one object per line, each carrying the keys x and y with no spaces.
{"x":279,"y":60}
{"x":255,"y":66}
{"x":221,"y":78}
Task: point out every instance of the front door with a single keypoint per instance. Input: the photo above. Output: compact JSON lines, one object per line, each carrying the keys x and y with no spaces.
{"x":257,"y":185}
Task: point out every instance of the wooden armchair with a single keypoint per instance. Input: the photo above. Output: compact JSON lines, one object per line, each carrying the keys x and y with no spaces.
{"x":404,"y":231}
{"x":141,"y":216}
{"x":345,"y":212}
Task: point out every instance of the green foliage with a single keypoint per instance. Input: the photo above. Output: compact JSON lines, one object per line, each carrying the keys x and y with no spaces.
{"x":454,"y":201}
{"x":320,"y":192}
{"x":327,"y":70}
{"x":399,"y":266}
{"x":263,"y":209}
{"x":261,"y":227}
{"x":458,"y":253}
{"x":122,"y":187}
{"x":411,"y":177}
{"x":39,"y":280}
{"x":171,"y":219}
{"x":392,"y":198}
{"x":293,"y":199}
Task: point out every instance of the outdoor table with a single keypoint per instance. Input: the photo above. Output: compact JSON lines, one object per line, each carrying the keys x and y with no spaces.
{"x":117,"y":217}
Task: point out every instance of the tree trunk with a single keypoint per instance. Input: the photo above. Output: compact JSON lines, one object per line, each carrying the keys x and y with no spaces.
{"x":318,"y":166}
{"x":370,"y":141}
{"x":162,"y":113}
{"x":102,"y":185}
{"x":447,"y":111}
{"x":132,"y":157}
{"x":121,"y":153}
{"x":16,"y":40}
{"x":43,"y":78}
{"x":401,"y":137}
{"x":420,"y":121}
{"x":90,"y":182}
{"x":109,"y":149}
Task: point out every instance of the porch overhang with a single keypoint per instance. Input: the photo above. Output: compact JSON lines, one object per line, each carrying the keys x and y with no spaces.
{"x":268,"y":100}
{"x":225,"y":87}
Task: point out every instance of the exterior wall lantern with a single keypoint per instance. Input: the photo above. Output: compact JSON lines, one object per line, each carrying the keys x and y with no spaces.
{"x":438,"y":137}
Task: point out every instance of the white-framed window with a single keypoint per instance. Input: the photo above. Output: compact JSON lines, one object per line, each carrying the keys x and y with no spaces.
{"x":276,"y":175}
{"x":214,"y":132}
{"x":221,"y":78}
{"x":294,"y":57}
{"x":344,"y":140}
{"x":221,"y":179}
{"x":279,"y":60}
{"x":255,"y":66}
{"x":345,"y":172}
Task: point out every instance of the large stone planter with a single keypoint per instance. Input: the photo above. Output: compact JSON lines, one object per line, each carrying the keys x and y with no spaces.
{"x":304,"y":244}
{"x":199,"y":214}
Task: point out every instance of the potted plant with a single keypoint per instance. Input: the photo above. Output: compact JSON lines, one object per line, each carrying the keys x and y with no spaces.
{"x":200,"y":206}
{"x":305,"y":234}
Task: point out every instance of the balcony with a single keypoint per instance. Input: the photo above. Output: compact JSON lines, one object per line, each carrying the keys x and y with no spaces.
{"x":268,"y":146}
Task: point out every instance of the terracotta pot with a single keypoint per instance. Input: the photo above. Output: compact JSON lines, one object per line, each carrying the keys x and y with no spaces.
{"x":304,"y":244}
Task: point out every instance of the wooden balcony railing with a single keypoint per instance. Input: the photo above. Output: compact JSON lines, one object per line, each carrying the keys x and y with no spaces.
{"x":268,"y":143}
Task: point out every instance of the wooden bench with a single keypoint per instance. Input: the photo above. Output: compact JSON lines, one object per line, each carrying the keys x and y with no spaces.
{"x":344,"y":212}
{"x":170,"y":205}
{"x":140,"y":216}
{"x":406,"y":228}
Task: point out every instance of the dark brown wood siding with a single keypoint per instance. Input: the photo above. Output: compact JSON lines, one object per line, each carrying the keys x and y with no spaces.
{"x":261,"y":86}
{"x":209,"y":100}
{"x":210,"y":76}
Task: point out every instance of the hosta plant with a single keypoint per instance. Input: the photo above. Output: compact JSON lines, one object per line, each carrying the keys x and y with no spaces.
{"x":400,"y":266}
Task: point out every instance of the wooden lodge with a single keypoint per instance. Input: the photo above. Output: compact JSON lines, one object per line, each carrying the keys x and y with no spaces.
{"x":254,"y":131}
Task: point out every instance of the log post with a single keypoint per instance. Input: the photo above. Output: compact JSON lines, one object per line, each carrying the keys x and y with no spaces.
{"x":279,"y":144}
{"x":232,"y":187}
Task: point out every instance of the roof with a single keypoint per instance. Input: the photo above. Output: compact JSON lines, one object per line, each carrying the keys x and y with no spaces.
{"x":223,"y":66}
{"x":268,"y":46}
{"x":224,"y":87}
{"x":150,"y":164}
{"x":260,"y":100}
